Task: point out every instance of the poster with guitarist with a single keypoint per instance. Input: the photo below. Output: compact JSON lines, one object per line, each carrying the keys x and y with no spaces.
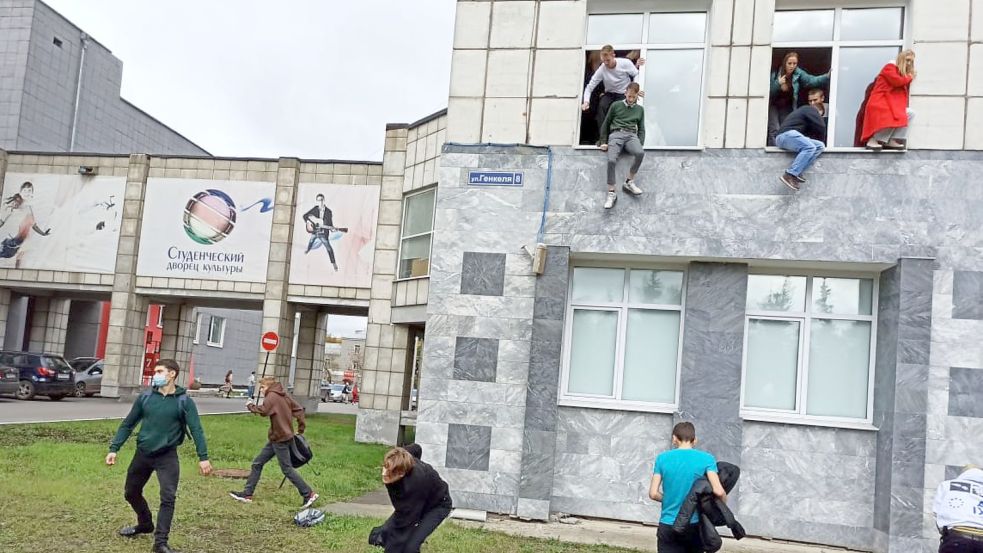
{"x":334,"y":235}
{"x":319,"y":224}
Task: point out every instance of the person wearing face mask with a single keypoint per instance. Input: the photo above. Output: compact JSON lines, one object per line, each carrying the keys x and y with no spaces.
{"x":165,"y":414}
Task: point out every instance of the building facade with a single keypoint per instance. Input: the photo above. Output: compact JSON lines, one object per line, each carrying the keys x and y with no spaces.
{"x":826,"y":340}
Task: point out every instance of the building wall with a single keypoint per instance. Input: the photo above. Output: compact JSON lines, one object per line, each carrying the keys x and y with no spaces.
{"x":47,"y":76}
{"x":82,"y":336}
{"x":238,"y":352}
{"x":516,"y":68}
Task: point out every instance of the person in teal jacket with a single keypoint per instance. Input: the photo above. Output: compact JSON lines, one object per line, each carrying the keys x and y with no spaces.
{"x":786,"y":82}
{"x":165,"y":414}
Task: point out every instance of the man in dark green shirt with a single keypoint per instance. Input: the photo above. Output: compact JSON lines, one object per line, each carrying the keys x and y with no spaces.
{"x":166,"y":413}
{"x":624,"y":129}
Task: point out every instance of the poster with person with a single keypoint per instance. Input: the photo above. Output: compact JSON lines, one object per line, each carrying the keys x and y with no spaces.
{"x":334,"y":235}
{"x":60,"y":222}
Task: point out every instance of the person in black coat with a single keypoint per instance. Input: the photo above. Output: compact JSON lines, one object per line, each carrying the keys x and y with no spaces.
{"x":420,"y":499}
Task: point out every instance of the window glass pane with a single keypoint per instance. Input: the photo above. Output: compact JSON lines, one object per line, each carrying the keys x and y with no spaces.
{"x":651,"y":353}
{"x":842,"y":296}
{"x":839,"y":364}
{"x":419,"y":213}
{"x":592,"y":285}
{"x":772,"y":361}
{"x":656,"y":287}
{"x":674,"y":28}
{"x":803,"y":26}
{"x":215,"y":326}
{"x":857,"y":69}
{"x":872,"y":24}
{"x":614,"y":29}
{"x":776,"y":293}
{"x":673,"y":85}
{"x":592,"y":348}
{"x":414,"y":257}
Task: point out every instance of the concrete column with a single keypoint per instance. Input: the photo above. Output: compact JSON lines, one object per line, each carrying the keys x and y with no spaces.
{"x":49,"y":323}
{"x":310,"y":359}
{"x":178,"y":337}
{"x":4,"y":305}
{"x":128,"y":315}
{"x":278,"y":314}
{"x":381,"y":392}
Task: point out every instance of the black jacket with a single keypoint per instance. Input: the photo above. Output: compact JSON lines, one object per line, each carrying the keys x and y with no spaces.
{"x":417,"y":493}
{"x":807,"y":121}
{"x":314,"y":213}
{"x":713,"y":511}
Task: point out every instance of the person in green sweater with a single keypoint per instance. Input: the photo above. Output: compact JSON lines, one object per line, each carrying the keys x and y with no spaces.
{"x":624,"y":129}
{"x":165,"y":414}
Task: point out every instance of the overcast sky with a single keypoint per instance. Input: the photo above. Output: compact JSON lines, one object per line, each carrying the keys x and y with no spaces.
{"x":316,"y":79}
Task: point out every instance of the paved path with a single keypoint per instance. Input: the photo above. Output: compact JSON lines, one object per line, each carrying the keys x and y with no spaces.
{"x":13,"y":411}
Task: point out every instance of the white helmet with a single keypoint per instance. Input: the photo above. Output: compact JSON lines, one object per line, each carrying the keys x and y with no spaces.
{"x":308,"y":518}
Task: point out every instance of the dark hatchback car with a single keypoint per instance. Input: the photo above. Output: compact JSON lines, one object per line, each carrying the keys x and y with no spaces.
{"x":8,"y":380}
{"x":40,"y":374}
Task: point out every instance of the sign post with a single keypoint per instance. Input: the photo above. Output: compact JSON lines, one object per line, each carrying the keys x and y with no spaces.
{"x":268,"y":342}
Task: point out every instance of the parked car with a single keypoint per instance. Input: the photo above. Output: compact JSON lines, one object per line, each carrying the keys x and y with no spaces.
{"x":8,"y":380}
{"x":40,"y":374}
{"x":88,"y":376}
{"x":332,"y":392}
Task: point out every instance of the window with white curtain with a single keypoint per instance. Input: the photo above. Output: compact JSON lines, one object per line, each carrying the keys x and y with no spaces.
{"x":622,"y":338}
{"x":673,"y":45}
{"x":809,"y":350}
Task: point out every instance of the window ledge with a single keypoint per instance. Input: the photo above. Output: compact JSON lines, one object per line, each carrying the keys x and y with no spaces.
{"x":407,"y":279}
{"x":649,"y":148}
{"x":838,"y":150}
{"x":213,"y":345}
{"x":808,"y":421}
{"x":613,"y":405}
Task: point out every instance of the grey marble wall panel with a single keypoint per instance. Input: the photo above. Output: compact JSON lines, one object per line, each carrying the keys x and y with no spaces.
{"x":967,"y":295}
{"x":953,"y":471}
{"x":476,"y":359}
{"x":483,"y":274}
{"x":468,"y":446}
{"x":966,"y":392}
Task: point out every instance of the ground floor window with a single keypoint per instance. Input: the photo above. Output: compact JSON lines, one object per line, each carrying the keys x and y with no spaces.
{"x":809,"y":346}
{"x":622,"y":337}
{"x":216,"y":331}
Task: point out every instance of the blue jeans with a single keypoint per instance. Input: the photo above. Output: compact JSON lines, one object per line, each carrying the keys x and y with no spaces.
{"x":807,"y":148}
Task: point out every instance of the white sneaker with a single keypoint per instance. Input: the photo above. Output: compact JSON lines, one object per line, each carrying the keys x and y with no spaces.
{"x":630,"y":188}
{"x":310,"y":500}
{"x":612,"y":199}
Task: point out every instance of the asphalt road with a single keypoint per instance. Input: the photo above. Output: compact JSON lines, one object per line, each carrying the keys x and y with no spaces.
{"x":13,"y":411}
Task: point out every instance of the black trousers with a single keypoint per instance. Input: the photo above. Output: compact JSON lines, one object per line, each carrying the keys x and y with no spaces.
{"x":409,"y":540}
{"x":953,"y":542}
{"x":168,"y":470}
{"x":671,"y":542}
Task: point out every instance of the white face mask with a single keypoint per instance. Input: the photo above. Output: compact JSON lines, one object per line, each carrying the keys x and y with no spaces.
{"x":159,"y":380}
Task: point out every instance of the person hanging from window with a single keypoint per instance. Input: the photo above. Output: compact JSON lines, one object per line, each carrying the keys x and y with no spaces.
{"x":616,"y":74}
{"x":803,"y":132}
{"x":624,"y":129}
{"x":786,"y":82}
{"x":886,"y":115}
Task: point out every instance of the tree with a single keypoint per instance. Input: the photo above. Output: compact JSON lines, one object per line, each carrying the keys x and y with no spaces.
{"x":780,"y":300}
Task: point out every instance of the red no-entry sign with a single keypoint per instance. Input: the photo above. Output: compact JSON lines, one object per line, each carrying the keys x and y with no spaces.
{"x":270,"y":341}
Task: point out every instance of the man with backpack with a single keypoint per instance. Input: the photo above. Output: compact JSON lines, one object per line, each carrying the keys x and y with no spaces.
{"x":281,"y":409}
{"x":165,"y":413}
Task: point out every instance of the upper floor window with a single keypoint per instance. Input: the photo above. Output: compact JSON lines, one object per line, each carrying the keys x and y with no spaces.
{"x":216,"y":331}
{"x":839,"y":51}
{"x":810,"y":347}
{"x":668,"y":53}
{"x":622,"y":338}
{"x":417,"y":231}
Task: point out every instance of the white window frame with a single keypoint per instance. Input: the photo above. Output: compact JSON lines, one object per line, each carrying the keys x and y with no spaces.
{"x":835,"y":44}
{"x":208,"y":337}
{"x":798,"y":414}
{"x":160,"y":316}
{"x":614,"y":402}
{"x":643,"y":49}
{"x":433,"y":218}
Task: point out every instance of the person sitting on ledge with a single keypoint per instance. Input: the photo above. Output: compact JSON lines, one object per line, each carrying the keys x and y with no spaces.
{"x":804,"y":132}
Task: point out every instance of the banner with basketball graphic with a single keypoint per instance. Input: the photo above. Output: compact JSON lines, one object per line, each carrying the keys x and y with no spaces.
{"x":206,"y":229}
{"x":334,"y":235}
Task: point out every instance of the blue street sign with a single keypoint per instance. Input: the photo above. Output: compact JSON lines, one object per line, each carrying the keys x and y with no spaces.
{"x":495,"y":178}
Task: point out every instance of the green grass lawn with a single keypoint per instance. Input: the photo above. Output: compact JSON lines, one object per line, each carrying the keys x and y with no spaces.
{"x":56,"y":495}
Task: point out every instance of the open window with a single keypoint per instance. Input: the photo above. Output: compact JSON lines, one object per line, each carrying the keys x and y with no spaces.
{"x":839,"y":50}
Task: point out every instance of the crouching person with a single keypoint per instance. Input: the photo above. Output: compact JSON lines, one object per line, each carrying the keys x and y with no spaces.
{"x":420,"y":501}
{"x":281,"y":409}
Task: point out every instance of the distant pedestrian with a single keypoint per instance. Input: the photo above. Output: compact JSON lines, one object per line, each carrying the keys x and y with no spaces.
{"x":281,"y":409}
{"x":420,"y":499}
{"x":624,"y":130}
{"x":167,"y":413}
{"x":675,"y":472}
{"x":251,"y":384}
{"x":958,"y":509}
{"x":803,"y":132}
{"x":227,"y":386}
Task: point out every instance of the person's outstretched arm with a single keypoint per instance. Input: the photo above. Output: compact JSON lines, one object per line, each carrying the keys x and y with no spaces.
{"x":198,"y":434}
{"x":126,"y":427}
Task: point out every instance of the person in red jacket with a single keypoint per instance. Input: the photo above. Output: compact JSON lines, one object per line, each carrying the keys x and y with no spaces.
{"x":887,"y":115}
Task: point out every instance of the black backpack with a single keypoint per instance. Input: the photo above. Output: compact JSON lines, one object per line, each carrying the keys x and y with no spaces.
{"x":300,"y":451}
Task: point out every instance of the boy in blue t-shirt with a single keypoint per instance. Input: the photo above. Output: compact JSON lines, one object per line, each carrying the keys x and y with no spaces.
{"x":675,"y":472}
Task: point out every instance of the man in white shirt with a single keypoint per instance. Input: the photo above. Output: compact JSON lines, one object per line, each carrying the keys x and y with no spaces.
{"x":616,"y":73}
{"x":958,"y":509}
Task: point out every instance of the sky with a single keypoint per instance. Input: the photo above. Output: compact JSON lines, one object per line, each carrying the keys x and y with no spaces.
{"x":315,"y":79}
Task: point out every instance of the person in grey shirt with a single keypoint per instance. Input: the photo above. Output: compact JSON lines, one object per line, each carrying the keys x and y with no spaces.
{"x":616,"y":74}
